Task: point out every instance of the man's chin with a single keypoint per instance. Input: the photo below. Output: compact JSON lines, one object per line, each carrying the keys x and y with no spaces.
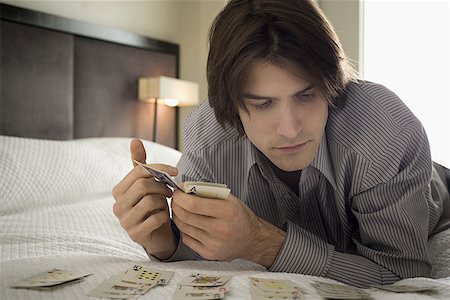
{"x":290,"y":165}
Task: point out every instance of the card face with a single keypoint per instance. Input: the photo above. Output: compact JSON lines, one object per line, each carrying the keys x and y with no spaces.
{"x":202,"y":286}
{"x":205,"y":280}
{"x":117,"y":289}
{"x":50,"y":278}
{"x":201,"y":189}
{"x":160,"y":176}
{"x":273,"y":289}
{"x":339,"y":291}
{"x":270,"y":285}
{"x":207,"y":189}
{"x":131,"y":283}
{"x":147,"y":275}
{"x":197,"y":293}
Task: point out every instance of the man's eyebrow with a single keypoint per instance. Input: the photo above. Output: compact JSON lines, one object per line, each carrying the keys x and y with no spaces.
{"x":259,"y":97}
{"x":256,"y":97}
{"x":306,"y":89}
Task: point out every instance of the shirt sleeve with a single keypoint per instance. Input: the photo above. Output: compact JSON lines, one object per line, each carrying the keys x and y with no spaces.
{"x":305,"y":253}
{"x":182,"y":252}
{"x":394,"y":218}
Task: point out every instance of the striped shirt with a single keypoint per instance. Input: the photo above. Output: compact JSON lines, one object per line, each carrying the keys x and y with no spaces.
{"x":364,"y":209}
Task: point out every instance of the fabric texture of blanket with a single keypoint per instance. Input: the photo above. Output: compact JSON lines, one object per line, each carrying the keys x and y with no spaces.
{"x":56,"y":212}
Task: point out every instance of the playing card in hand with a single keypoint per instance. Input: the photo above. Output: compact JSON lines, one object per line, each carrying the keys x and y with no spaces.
{"x":161,"y":176}
{"x":206,"y":189}
{"x":201,"y":189}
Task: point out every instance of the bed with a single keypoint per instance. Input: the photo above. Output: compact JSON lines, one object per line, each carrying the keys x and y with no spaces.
{"x":56,"y":202}
{"x":56,"y":212}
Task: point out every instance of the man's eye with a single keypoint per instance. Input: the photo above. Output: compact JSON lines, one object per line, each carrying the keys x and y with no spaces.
{"x":306,"y":96}
{"x":263,"y":105}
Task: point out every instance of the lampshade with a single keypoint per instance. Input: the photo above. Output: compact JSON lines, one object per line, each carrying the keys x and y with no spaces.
{"x":167,"y":90}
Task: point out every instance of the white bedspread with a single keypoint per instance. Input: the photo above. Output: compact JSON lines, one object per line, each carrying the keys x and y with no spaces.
{"x":56,"y":212}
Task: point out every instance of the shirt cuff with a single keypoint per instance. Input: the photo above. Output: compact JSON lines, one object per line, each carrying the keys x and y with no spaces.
{"x":302,"y":252}
{"x":182,"y":252}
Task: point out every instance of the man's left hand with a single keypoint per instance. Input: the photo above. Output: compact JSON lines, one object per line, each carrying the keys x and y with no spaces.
{"x":225,"y":229}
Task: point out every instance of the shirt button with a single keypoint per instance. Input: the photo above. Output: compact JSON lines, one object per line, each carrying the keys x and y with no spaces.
{"x":287,"y":197}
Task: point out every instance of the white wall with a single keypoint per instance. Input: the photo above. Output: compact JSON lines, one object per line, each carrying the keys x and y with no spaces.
{"x":185,"y":22}
{"x":412,"y":62}
{"x":412,"y":58}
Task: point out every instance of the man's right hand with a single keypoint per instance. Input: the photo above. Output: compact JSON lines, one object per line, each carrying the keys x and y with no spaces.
{"x":141,"y":206}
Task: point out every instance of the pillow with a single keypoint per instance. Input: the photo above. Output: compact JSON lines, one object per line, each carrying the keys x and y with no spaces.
{"x":36,"y":173}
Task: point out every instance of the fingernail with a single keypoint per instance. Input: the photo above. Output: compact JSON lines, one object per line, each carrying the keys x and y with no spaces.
{"x":173,"y":169}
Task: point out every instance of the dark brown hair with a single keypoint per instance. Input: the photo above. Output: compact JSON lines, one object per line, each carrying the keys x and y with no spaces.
{"x":292,"y":34}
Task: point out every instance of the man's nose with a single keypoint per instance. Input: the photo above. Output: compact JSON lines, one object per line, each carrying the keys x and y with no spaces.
{"x":289,"y":122}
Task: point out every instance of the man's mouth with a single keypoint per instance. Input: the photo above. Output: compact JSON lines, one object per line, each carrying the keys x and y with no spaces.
{"x":288,"y":149}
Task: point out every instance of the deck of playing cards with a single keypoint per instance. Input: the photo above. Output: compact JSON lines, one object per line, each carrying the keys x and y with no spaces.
{"x":273,"y":289}
{"x":201,"y":189}
{"x":131,"y":283}
{"x":202,"y":287}
{"x":339,"y":291}
{"x":51,"y":279}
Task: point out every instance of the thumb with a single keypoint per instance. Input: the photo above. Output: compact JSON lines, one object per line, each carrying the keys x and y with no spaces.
{"x":137,"y":151}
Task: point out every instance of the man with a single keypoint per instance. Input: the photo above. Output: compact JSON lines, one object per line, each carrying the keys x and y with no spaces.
{"x":330,"y":176}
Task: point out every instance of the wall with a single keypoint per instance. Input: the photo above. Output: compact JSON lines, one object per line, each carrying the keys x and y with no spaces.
{"x":345,"y":15}
{"x":185,"y":22}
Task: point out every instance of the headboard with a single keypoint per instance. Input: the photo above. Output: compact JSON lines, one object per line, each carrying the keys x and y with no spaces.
{"x":65,"y":79}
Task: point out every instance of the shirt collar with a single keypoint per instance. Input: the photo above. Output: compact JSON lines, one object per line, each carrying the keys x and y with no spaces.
{"x":252,"y":155}
{"x":322,"y":161}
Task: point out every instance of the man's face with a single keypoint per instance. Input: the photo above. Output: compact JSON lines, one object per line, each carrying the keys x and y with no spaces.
{"x":287,"y":116}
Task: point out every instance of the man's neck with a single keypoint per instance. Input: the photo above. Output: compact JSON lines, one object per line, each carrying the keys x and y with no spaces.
{"x":291,"y":179}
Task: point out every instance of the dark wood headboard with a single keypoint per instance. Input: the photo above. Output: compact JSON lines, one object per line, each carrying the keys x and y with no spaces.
{"x":65,"y":79}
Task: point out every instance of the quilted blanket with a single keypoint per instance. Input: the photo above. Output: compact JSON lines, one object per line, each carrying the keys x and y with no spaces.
{"x":56,"y":212}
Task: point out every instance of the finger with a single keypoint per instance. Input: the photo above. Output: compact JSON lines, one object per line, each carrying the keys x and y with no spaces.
{"x":126,"y":182}
{"x":137,"y":151}
{"x":192,"y":243}
{"x":201,"y":206}
{"x":154,"y":222}
{"x":145,"y":208}
{"x":142,"y":187}
{"x":172,"y":171}
{"x":192,"y":219}
{"x":142,"y":232}
{"x":193,"y":232}
{"x":149,"y":205}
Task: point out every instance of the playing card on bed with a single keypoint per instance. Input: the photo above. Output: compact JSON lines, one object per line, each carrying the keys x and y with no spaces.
{"x":131,"y":283}
{"x":197,"y":279}
{"x":201,"y":189}
{"x":261,"y":288}
{"x":339,"y":291}
{"x":116,"y":288}
{"x":202,"y":287}
{"x":142,"y":274}
{"x":50,"y":278}
{"x":397,"y":288}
